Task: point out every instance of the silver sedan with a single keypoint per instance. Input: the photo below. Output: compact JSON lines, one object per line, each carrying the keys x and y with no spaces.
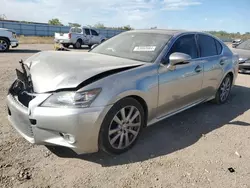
{"x":104,"y":98}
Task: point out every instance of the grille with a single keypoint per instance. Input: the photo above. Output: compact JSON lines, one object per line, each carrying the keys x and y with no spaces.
{"x":18,"y":90}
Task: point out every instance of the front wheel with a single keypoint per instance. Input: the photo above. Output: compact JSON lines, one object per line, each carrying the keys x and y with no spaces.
{"x":224,"y":90}
{"x":4,"y":45}
{"x":121,"y":126}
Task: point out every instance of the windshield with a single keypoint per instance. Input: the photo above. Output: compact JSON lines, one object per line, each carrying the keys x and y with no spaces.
{"x":131,"y":45}
{"x":244,"y":45}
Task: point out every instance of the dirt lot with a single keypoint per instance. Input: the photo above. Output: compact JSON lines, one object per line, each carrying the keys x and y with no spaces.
{"x":192,"y":149}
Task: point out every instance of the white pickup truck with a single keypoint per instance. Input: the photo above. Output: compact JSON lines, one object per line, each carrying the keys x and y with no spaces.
{"x":79,"y":36}
{"x":7,"y":39}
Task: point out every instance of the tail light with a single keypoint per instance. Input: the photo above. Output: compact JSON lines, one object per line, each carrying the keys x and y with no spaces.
{"x":69,"y":35}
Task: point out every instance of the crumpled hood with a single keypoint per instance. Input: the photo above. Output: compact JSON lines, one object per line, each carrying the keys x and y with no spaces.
{"x":53,"y":70}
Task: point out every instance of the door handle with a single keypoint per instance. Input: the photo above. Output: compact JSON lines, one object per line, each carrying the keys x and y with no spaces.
{"x":222,"y":61}
{"x":198,"y":69}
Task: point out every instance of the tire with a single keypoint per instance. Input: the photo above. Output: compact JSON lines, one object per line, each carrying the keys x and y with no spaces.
{"x":65,"y":45}
{"x":115,"y":138}
{"x":4,"y":45}
{"x":78,"y":44}
{"x":102,"y":40}
{"x":225,"y":87}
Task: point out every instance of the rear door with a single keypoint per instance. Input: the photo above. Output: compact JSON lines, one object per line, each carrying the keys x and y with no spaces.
{"x":214,"y":62}
{"x":88,"y":36}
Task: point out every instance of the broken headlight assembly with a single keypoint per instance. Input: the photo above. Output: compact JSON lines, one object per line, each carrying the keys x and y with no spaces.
{"x":71,"y":99}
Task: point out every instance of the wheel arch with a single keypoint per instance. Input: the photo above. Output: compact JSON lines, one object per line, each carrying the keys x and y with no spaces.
{"x":232,"y":76}
{"x":6,"y":38}
{"x":144,"y":106}
{"x":79,"y":39}
{"x":139,"y":97}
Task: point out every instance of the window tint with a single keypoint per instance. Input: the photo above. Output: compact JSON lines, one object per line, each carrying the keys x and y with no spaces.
{"x":87,"y":31}
{"x":207,"y":46}
{"x":218,"y":46}
{"x":185,"y":44}
{"x":94,"y":32}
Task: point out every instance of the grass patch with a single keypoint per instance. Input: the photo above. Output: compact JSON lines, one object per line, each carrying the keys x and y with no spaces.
{"x":35,"y":40}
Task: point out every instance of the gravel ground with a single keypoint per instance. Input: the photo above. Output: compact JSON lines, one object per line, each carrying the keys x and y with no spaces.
{"x":191,"y":149}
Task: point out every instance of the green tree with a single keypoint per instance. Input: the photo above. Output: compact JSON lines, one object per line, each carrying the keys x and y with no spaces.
{"x":99,"y":25}
{"x":74,"y":25}
{"x":55,"y":21}
{"x":127,"y":27}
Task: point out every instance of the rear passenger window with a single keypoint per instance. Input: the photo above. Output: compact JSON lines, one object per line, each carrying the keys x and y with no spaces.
{"x":207,"y":46}
{"x":219,"y":47}
{"x":87,"y":31}
{"x":185,"y":44}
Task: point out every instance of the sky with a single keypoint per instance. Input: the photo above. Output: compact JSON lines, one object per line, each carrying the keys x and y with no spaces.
{"x":202,"y":15}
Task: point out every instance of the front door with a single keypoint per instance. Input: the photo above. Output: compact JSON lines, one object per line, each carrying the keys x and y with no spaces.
{"x":180,"y":87}
{"x":94,"y":37}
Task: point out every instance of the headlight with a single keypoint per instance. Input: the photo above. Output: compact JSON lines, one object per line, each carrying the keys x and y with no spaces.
{"x":14,"y":35}
{"x":71,"y":99}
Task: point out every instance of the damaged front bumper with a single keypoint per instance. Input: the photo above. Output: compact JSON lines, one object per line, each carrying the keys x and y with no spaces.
{"x":76,"y":128}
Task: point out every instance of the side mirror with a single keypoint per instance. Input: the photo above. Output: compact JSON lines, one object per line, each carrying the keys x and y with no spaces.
{"x":95,"y":45}
{"x":178,"y":58}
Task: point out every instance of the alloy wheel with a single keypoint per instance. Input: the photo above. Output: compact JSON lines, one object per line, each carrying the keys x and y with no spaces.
{"x":225,"y":89}
{"x":124,"y":127}
{"x":3,"y":45}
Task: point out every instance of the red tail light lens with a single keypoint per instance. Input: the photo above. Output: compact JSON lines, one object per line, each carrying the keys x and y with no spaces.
{"x":69,"y":35}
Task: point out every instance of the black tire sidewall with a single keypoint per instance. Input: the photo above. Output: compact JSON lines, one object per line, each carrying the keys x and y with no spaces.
{"x":8,"y":45}
{"x":78,"y":47}
{"x":66,"y":45}
{"x":103,"y":135}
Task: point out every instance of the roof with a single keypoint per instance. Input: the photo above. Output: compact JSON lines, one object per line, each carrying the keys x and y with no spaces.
{"x":159,"y":31}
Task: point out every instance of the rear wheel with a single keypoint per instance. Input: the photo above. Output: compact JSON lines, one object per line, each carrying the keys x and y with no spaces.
{"x":78,"y":44}
{"x":121,"y":126}
{"x":224,"y":90}
{"x":4,"y":45}
{"x":65,"y":45}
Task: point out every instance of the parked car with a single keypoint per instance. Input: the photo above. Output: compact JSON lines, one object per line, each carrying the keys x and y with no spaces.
{"x":102,"y":99}
{"x":236,"y":42}
{"x":78,"y":36}
{"x":7,"y":39}
{"x":243,"y":50}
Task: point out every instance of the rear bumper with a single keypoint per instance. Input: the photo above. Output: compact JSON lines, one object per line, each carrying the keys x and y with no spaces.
{"x":49,"y":126}
{"x":63,"y":41}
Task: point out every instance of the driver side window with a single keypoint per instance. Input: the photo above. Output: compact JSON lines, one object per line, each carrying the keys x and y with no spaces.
{"x":185,"y":44}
